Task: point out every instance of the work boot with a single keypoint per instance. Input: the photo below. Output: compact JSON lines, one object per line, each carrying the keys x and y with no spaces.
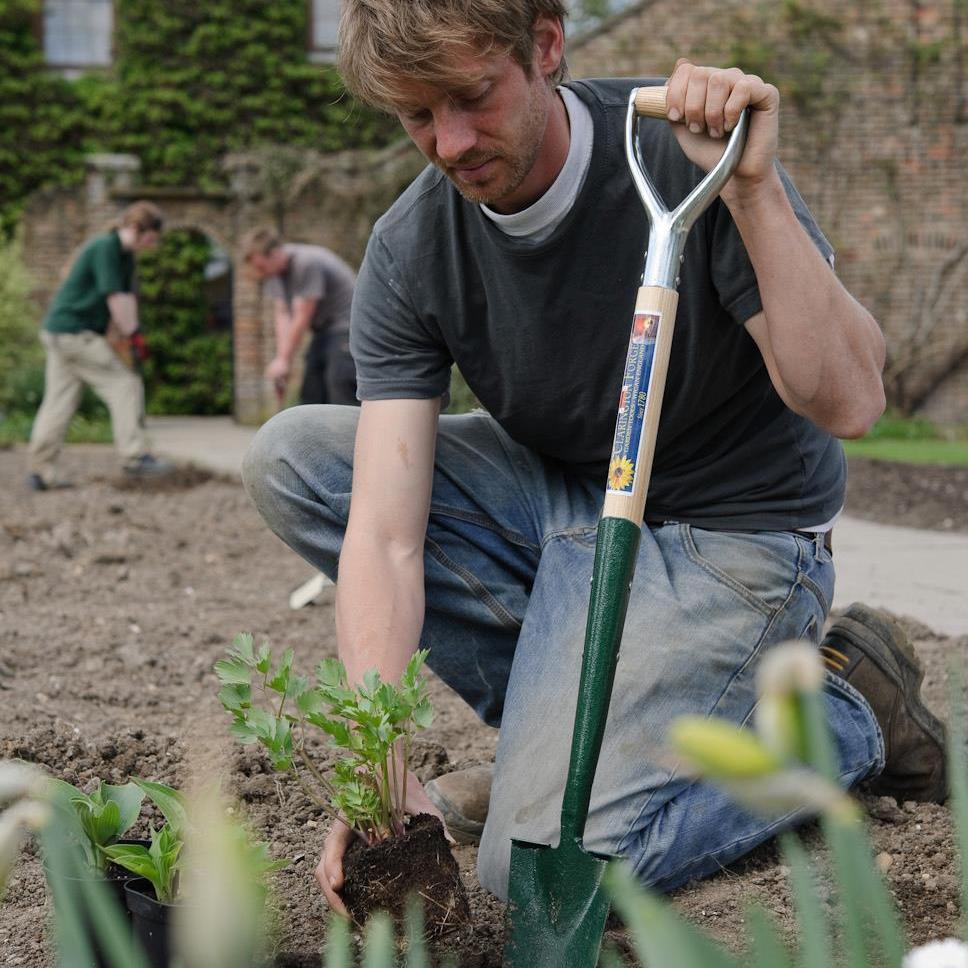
{"x":462,"y":797}
{"x":37,"y":483}
{"x":147,"y":465}
{"x":869,"y":649}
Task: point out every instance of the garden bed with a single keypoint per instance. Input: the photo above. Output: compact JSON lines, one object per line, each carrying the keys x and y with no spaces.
{"x":116,"y":602}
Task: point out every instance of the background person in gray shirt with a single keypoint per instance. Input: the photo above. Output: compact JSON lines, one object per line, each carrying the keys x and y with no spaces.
{"x":312,"y":289}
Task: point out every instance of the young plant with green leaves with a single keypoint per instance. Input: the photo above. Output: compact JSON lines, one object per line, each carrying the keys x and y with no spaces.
{"x":372,"y":724}
{"x":159,"y":862}
{"x":104,"y":816}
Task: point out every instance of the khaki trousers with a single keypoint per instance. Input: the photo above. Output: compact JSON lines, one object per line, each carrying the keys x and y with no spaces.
{"x":73,"y":360}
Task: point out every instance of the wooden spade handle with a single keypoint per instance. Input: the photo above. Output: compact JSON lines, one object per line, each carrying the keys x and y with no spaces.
{"x":643,"y":385}
{"x":651,"y":102}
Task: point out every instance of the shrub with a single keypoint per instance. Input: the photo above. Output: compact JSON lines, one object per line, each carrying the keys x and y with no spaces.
{"x":190,"y":367}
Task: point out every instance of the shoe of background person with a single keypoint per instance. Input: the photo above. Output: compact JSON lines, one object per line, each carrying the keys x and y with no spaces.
{"x":869,"y":649}
{"x":462,"y":797}
{"x":36,"y":483}
{"x":147,"y":465}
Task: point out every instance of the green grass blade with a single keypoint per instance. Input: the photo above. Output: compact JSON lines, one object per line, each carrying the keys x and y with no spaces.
{"x":766,"y":949}
{"x":867,"y":910}
{"x":958,"y":781}
{"x":85,"y":914}
{"x":416,"y":945}
{"x":866,"y":907}
{"x":610,"y":958}
{"x":815,"y":946}
{"x":337,"y":952}
{"x":661,"y":938}
{"x":378,"y":949}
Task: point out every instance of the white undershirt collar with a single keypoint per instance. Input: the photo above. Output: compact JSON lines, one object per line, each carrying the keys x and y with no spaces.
{"x":539,"y":220}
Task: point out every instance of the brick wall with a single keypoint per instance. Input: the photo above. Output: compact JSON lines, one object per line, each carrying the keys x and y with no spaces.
{"x":876,"y":140}
{"x":877,"y":148}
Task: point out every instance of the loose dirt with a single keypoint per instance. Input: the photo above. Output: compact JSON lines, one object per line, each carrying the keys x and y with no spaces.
{"x":115,"y":601}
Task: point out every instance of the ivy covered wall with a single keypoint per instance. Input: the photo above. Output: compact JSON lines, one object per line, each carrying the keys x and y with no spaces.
{"x":42,"y":119}
{"x":191,"y":82}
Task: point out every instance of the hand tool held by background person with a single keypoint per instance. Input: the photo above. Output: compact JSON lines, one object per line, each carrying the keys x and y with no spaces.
{"x":557,"y":907}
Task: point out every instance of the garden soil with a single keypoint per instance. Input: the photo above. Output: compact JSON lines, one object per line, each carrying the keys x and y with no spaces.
{"x":115,"y":601}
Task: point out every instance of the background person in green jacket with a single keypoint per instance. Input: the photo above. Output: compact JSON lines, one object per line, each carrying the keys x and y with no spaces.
{"x":96,"y":293}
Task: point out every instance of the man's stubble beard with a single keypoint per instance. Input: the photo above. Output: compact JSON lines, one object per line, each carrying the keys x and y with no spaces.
{"x":519,"y":159}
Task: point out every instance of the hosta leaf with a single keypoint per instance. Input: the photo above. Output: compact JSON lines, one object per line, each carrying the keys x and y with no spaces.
{"x":100,"y":821}
{"x":128,"y":797}
{"x":170,"y":802}
{"x":134,"y":858}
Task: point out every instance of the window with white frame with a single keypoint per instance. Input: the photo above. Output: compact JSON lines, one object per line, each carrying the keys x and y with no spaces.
{"x":77,"y":33}
{"x":323,"y":24}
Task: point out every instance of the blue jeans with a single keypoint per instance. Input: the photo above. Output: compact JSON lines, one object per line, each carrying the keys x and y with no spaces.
{"x":509,"y":553}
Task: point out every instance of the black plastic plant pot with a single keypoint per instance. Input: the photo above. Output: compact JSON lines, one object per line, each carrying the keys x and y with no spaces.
{"x":150,"y":921}
{"x":115,"y":878}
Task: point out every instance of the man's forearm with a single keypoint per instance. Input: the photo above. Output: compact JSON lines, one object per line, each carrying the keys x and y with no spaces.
{"x":827,"y":348}
{"x":379,"y":607}
{"x":294,"y":336}
{"x":123,"y":307}
{"x":282,"y":321}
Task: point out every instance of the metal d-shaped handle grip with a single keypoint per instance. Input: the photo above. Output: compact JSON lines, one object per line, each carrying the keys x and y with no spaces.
{"x":669,"y":229}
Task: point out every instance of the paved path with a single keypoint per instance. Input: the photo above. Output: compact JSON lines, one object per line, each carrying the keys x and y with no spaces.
{"x":923,"y":574}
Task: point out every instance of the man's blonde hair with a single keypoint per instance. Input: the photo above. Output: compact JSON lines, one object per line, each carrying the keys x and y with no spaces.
{"x":143,"y":216}
{"x":260,"y":241}
{"x":385,"y":41}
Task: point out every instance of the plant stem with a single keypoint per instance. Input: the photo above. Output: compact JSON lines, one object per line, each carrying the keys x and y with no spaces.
{"x":406,"y":771}
{"x":310,"y":793}
{"x":316,"y":775}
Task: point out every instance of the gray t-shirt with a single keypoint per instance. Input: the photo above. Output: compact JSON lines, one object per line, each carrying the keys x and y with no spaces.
{"x":316,"y":273}
{"x":540,"y":333}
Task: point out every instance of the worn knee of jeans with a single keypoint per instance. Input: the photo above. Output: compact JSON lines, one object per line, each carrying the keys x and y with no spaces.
{"x":262,"y":466}
{"x":298,"y":472}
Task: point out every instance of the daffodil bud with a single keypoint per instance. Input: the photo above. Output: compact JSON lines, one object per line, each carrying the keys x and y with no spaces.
{"x":786,"y":674}
{"x":719,"y":750}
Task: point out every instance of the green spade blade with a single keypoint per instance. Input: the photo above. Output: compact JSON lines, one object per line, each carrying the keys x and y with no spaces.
{"x":557,"y":908}
{"x":562,"y":922}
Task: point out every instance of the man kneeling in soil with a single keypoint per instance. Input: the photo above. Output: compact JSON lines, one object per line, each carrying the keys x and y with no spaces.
{"x":517,"y":254}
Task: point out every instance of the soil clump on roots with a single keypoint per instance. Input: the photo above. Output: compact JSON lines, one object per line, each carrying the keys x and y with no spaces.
{"x":421,"y":860}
